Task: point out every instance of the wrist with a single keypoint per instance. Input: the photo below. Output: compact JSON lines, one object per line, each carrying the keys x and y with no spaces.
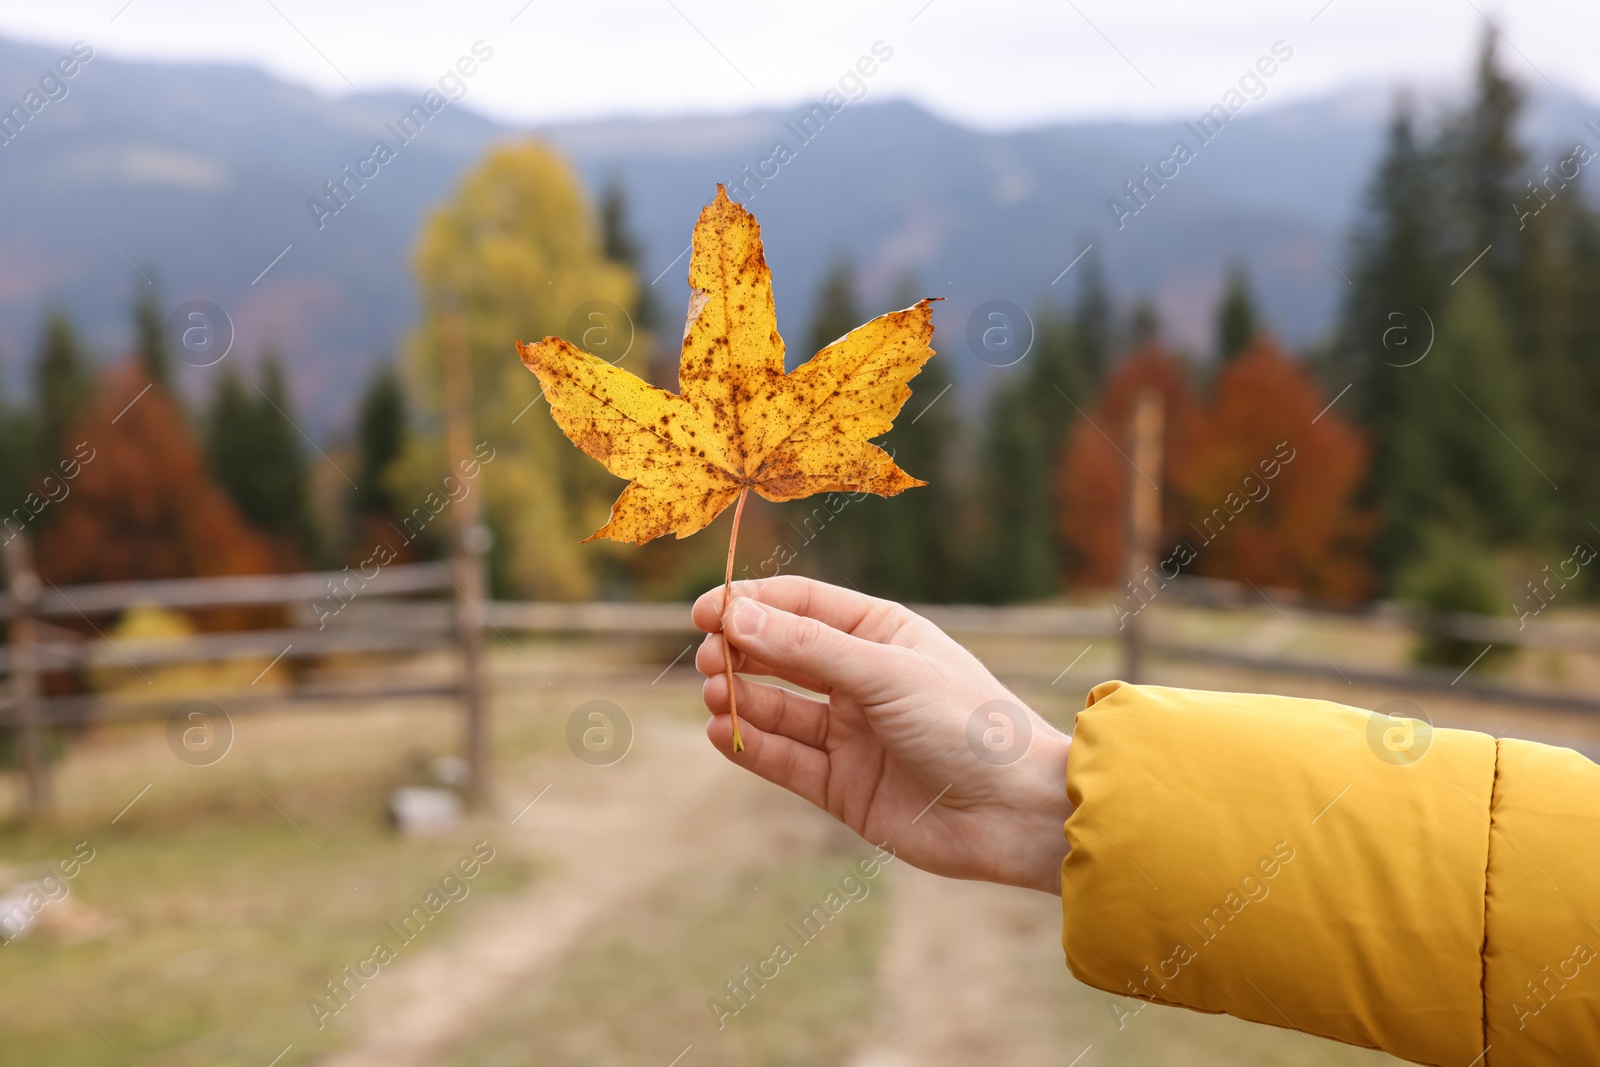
{"x":1042,"y":810}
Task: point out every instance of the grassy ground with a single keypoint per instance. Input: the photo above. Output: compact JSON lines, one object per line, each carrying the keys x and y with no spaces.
{"x":219,"y":903}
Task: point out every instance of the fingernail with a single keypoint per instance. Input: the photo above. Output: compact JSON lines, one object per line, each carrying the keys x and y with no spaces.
{"x":748,"y":616}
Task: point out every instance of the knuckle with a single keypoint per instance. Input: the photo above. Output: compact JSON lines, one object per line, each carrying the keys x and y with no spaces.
{"x":780,"y":715}
{"x":808,"y":638}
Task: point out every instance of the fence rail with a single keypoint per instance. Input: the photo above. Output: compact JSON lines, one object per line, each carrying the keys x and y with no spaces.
{"x":400,"y":609}
{"x":1567,"y":635}
{"x":37,"y":647}
{"x":110,"y":598}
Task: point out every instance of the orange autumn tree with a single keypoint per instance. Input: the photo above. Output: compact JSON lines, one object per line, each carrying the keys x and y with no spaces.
{"x":1268,"y":495}
{"x":142,"y":504}
{"x":1094,"y":468}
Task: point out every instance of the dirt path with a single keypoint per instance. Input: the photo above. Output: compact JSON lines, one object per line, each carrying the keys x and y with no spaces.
{"x":960,"y":976}
{"x":600,"y":836}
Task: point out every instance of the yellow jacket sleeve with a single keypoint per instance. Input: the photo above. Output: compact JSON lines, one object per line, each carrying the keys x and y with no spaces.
{"x":1431,"y":893}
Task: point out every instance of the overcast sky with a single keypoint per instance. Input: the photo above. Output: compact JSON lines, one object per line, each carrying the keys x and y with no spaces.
{"x":994,"y":64}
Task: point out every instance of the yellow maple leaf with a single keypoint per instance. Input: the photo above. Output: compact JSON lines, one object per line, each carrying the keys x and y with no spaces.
{"x":738,"y":422}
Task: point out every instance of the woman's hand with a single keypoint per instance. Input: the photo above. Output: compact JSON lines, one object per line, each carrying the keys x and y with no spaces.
{"x":908,"y":739}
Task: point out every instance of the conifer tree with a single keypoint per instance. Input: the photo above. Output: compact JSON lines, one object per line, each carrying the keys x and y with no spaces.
{"x":150,"y":337}
{"x":1092,"y":321}
{"x":1390,"y":321}
{"x":256,"y":455}
{"x":837,"y":310}
{"x":1236,"y":315}
{"x":1574,"y":429}
{"x":1144,"y":325}
{"x":63,"y":382}
{"x":19,"y":444}
{"x":904,"y":547}
{"x":1485,"y":170}
{"x":1475,"y":456}
{"x":619,"y":244}
{"x":1014,"y":556}
{"x":1020,"y":553}
{"x":380,"y":438}
{"x":1442,"y":259}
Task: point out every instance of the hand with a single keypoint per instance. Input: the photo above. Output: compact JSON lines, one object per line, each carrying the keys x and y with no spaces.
{"x":883,"y":746}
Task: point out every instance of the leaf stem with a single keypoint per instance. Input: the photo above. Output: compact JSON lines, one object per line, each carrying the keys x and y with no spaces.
{"x":727,"y":601}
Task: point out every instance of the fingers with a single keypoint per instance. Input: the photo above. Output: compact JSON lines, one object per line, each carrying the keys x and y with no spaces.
{"x":846,"y":610}
{"x":772,"y":709}
{"x":800,"y":645}
{"x":783,"y":761}
{"x":708,"y":661}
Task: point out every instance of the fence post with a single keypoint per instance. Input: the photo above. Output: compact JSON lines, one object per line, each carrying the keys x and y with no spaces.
{"x":469,"y":543}
{"x":1144,"y":522}
{"x":23,"y":585}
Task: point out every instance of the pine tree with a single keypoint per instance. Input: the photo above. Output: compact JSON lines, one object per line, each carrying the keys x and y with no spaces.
{"x":380,"y":438}
{"x":19,"y":448}
{"x":620,"y":246}
{"x":1144,"y":326}
{"x":150,"y":337}
{"x":1546,"y":295}
{"x":837,"y":310}
{"x":905,"y":547}
{"x":255,"y":455}
{"x":63,"y":383}
{"x":1458,"y":251}
{"x":1092,"y":321}
{"x":1389,"y":323}
{"x":1020,"y":552}
{"x":1014,"y":558}
{"x":1236,"y":315}
{"x":1469,"y":455}
{"x":1579,"y":435}
{"x":1485,"y":164}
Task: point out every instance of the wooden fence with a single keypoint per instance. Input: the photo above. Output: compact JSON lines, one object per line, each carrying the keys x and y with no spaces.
{"x":427,"y":606}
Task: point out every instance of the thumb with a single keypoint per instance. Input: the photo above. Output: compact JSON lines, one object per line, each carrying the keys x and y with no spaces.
{"x":806,"y":646}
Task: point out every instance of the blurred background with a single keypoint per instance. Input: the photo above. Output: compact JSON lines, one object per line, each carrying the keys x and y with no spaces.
{"x":1267,"y":360}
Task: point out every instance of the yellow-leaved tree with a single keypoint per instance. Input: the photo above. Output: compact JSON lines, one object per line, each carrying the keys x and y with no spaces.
{"x":516,"y":247}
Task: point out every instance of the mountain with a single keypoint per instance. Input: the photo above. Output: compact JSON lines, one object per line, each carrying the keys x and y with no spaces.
{"x":200,"y":176}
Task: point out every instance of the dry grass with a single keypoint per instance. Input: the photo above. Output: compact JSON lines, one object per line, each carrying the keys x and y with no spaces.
{"x":209,"y":917}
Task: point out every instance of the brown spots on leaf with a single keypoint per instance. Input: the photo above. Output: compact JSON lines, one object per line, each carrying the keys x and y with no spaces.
{"x":741,"y":422}
{"x":594,"y":444}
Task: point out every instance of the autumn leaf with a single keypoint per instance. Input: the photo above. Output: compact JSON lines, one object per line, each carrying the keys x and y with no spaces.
{"x":738,"y":421}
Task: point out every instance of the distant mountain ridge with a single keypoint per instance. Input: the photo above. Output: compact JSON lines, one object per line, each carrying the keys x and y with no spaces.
{"x":205,"y":176}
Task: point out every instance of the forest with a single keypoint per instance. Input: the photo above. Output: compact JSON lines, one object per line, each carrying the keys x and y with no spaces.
{"x":1438,"y":448}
